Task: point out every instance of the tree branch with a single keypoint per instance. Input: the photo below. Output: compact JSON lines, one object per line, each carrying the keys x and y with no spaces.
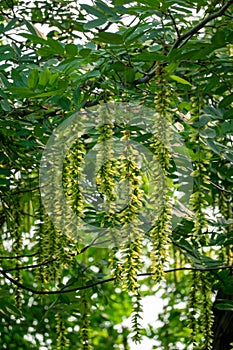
{"x":174,"y":24}
{"x":30,"y":266}
{"x":19,"y":256}
{"x":91,"y":285}
{"x":185,"y":37}
{"x":201,"y":25}
{"x":146,"y":78}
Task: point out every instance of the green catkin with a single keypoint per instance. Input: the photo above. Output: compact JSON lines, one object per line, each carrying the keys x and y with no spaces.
{"x":132,"y":263}
{"x":85,"y":324}
{"x":62,"y":340}
{"x":193,"y":306}
{"x":128,"y":218}
{"x":115,"y":266}
{"x":160,"y":145}
{"x":54,"y":250}
{"x":201,"y":177}
{"x":200,"y":314}
{"x":72,"y":176}
{"x":41,"y":238}
{"x":106,"y":182}
{"x":200,"y":305}
{"x":16,"y":236}
{"x":125,"y":268}
{"x":132,"y":252}
{"x":206,"y":317}
{"x":160,"y":240}
{"x":136,"y":317}
{"x":106,"y":179}
{"x":226,"y":209}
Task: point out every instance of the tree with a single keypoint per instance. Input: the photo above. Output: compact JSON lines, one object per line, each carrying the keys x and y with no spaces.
{"x":143,"y":89}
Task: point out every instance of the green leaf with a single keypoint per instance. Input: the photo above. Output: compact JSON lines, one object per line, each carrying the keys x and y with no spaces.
{"x":213,"y":113}
{"x":203,"y":120}
{"x":227,"y":127}
{"x":44,"y":77}
{"x":213,"y":146}
{"x":219,"y":39}
{"x":29,"y":27}
{"x":228,"y":114}
{"x":49,"y":93}
{"x":34,"y":38}
{"x":12,"y":309}
{"x":226,"y":172}
{"x":77,"y":95}
{"x":5,"y":172}
{"x":92,"y":74}
{"x":106,"y":9}
{"x":154,"y":4}
{"x":56,"y":46}
{"x":95,"y":23}
{"x":172,"y":67}
{"x":92,"y":11}
{"x":4,"y":66}
{"x":223,"y":304}
{"x":85,"y":52}
{"x":129,"y":75}
{"x":4,"y":182}
{"x":188,"y":248}
{"x":53,"y":78}
{"x":45,"y":51}
{"x":27,"y":143}
{"x":38,"y":131}
{"x":220,"y":149}
{"x":208,"y":133}
{"x":180,"y":80}
{"x":209,"y":262}
{"x":143,"y":137}
{"x":22,"y":92}
{"x":65,"y":103}
{"x":11,"y":24}
{"x":150,"y":56}
{"x":71,"y":50}
{"x":182,"y":9}
{"x":33,"y":79}
{"x":5,"y":105}
{"x":109,"y":38}
{"x":226,"y":101}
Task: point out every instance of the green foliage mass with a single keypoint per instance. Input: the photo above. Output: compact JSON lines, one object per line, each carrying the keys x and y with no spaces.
{"x":175,"y":58}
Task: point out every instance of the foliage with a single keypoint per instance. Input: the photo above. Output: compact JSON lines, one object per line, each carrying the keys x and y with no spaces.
{"x":59,"y":58}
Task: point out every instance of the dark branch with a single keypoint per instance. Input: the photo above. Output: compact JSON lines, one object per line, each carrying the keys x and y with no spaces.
{"x":146,"y":78}
{"x":91,"y":285}
{"x":201,"y":25}
{"x":174,"y":23}
{"x":18,"y":256}
{"x":30,"y":266}
{"x":185,"y":37}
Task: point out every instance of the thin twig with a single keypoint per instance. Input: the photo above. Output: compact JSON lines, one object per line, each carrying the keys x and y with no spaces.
{"x":219,"y":187}
{"x":18,"y":256}
{"x":30,"y":266}
{"x":174,"y":23}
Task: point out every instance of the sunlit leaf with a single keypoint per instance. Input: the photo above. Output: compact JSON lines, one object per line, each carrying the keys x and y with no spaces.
{"x":180,"y":80}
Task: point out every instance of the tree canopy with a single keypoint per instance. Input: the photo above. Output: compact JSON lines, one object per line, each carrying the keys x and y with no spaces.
{"x":116,"y":173}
